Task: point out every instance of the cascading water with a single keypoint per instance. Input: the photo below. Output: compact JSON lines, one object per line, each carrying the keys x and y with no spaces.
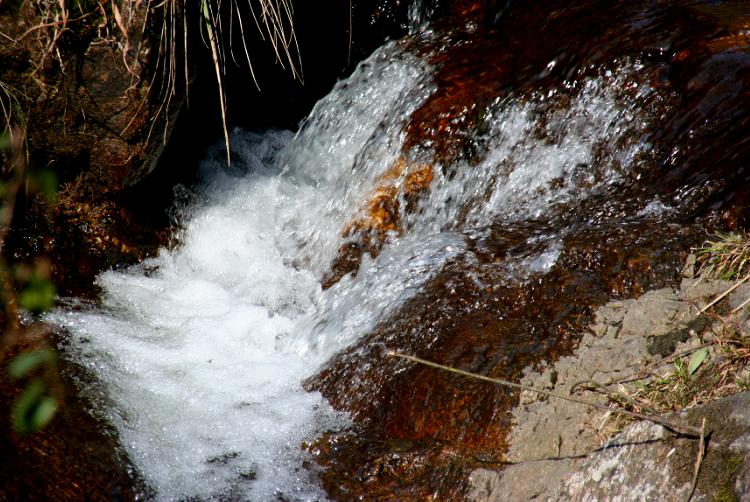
{"x":202,"y":350}
{"x":199,"y":354}
{"x":193,"y":347}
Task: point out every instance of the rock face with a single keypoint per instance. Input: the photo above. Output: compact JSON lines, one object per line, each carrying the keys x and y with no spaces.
{"x":685,"y":55}
{"x":644,"y":462}
{"x":86,"y":88}
{"x":566,"y":442}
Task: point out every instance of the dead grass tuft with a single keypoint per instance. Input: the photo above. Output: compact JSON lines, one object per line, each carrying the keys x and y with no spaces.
{"x":273,"y":19}
{"x":13,"y":117}
{"x":128,"y":24}
{"x":676,"y":383}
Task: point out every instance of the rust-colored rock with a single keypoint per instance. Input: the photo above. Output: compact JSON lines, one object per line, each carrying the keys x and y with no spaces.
{"x":737,"y":39}
{"x":470,"y":318}
{"x":404,"y":180}
{"x":386,"y":470}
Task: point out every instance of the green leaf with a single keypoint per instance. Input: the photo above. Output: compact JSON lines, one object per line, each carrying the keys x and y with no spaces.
{"x":33,"y":410}
{"x":697,"y":359}
{"x":24,"y":363}
{"x":38,"y":296}
{"x":45,"y":181}
{"x":5,"y":141}
{"x":43,"y":414}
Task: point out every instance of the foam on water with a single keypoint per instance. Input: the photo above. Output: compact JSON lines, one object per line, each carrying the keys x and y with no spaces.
{"x":201,"y":350}
{"x":536,"y":159}
{"x":191,"y":345}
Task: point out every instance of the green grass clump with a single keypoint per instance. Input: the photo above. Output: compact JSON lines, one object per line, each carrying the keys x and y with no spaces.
{"x":726,"y":257}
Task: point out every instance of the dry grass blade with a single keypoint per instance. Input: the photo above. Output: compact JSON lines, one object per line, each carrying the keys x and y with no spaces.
{"x":740,"y":306}
{"x":244,"y":45}
{"x":212,"y":23}
{"x":166,"y":60}
{"x":726,"y":257}
{"x":725,"y":293}
{"x":276,"y":21}
{"x":54,"y":21}
{"x":698,"y":460}
{"x":10,"y":106}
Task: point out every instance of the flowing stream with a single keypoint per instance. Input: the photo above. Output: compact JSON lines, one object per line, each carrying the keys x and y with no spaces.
{"x":198,"y":355}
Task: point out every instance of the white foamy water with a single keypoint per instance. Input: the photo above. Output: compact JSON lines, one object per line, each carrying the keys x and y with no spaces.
{"x":201,"y":351}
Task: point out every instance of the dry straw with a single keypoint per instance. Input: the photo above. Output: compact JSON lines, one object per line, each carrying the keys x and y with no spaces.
{"x":125,"y":22}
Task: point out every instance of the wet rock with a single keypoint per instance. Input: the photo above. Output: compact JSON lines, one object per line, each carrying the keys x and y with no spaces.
{"x":471,"y":317}
{"x":398,"y":190}
{"x":76,"y":457}
{"x":569,"y":442}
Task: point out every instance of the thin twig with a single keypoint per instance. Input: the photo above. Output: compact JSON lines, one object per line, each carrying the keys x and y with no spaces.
{"x":724,"y":294}
{"x":53,"y":24}
{"x":682,"y":428}
{"x":698,"y":459}
{"x":741,"y":306}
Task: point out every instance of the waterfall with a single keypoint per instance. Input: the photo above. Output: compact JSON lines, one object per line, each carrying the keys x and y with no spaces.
{"x":198,"y":354}
{"x":420,"y":12}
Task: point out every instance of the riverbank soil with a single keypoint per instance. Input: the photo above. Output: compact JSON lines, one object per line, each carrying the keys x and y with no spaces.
{"x":97,"y":118}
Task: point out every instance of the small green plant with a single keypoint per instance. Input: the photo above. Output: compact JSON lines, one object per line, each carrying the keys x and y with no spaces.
{"x":35,"y":407}
{"x":23,"y":345}
{"x":38,"y":292}
{"x":692,"y":379}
